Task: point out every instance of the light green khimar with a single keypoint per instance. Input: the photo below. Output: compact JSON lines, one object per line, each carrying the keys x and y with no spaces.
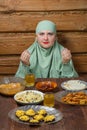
{"x":46,"y":25}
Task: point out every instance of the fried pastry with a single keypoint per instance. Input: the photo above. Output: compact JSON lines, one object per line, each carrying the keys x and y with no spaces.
{"x":75,"y":98}
{"x":49,"y":118}
{"x":39,"y":117}
{"x":30,"y":112}
{"x":42,"y":112}
{"x":34,"y":121}
{"x":24,"y":118}
{"x":19,"y":113}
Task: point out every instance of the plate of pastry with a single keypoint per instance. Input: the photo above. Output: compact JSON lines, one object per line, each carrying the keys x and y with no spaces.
{"x":35,"y":115}
{"x":74,"y":85}
{"x":72,"y":98}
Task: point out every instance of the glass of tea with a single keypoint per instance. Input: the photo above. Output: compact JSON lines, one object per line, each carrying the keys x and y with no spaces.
{"x":49,"y":99}
{"x":29,"y":80}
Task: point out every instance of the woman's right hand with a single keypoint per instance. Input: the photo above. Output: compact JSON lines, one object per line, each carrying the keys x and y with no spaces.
{"x":25,"y":56}
{"x":66,"y":55}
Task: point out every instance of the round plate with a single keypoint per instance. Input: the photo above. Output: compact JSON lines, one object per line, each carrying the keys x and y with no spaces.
{"x":29,"y":97}
{"x":74,"y":85}
{"x":49,"y":110}
{"x":59,"y":95}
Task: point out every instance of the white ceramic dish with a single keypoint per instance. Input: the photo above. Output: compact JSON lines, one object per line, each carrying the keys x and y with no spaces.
{"x":29,"y":97}
{"x":74,"y":85}
{"x":49,"y":110}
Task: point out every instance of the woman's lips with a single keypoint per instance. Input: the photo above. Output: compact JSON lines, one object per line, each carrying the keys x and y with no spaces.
{"x":45,"y":42}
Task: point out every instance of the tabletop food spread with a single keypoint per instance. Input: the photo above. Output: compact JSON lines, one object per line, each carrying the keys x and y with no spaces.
{"x":31,"y":112}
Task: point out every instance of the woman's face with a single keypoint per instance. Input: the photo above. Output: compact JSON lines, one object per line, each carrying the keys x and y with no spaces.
{"x":46,"y":38}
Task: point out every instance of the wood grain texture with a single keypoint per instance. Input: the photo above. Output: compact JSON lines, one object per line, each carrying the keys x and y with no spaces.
{"x":27,"y":21}
{"x":42,"y":5}
{"x":18,"y":20}
{"x":15,"y":43}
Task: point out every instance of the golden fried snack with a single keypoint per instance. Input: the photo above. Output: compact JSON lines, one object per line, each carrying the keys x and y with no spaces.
{"x":34,"y":121}
{"x":30,"y":112}
{"x":49,"y":118}
{"x":19,"y":113}
{"x":42,"y":112}
{"x":39,"y":117}
{"x":24,"y":118}
{"x":79,"y":98}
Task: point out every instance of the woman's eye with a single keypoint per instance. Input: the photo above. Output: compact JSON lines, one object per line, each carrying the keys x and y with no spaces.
{"x":50,"y":34}
{"x":41,"y":34}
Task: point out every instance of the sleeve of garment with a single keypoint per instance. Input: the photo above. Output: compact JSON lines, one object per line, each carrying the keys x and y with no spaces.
{"x":67,"y":70}
{"x":22,"y":70}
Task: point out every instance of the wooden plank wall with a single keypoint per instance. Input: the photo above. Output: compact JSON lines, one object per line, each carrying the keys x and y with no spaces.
{"x":19,"y":18}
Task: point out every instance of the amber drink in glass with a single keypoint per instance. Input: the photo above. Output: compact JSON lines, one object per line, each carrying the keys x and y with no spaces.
{"x":49,"y":99}
{"x":29,"y":80}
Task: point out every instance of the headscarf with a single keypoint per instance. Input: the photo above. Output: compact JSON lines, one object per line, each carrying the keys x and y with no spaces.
{"x":46,"y":63}
{"x":46,"y":25}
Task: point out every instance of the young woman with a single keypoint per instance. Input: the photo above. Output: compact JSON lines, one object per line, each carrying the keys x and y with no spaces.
{"x":46,"y":58}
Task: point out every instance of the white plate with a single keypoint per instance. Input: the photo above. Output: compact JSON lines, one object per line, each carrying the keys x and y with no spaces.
{"x":49,"y":110}
{"x":74,"y":85}
{"x":59,"y":95}
{"x":28,"y":97}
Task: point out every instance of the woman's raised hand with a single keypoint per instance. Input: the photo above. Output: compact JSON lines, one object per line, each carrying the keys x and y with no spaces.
{"x":66,"y":55}
{"x":25,"y":56}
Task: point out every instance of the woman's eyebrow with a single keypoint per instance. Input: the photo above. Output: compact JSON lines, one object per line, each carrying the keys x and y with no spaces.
{"x":41,"y":33}
{"x":50,"y":33}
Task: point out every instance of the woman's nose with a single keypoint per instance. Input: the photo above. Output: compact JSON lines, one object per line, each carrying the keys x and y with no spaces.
{"x":45,"y":37}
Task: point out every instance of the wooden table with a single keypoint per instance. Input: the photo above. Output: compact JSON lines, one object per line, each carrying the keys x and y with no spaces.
{"x":75,"y":117}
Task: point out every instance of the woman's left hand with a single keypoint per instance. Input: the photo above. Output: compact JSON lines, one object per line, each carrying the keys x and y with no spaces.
{"x":66,"y":55}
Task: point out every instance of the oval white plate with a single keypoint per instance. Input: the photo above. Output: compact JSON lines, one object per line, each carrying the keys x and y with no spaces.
{"x":74,"y":85}
{"x":25,"y":97}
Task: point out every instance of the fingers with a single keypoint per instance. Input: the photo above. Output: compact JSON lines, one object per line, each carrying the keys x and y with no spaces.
{"x":66,"y":55}
{"x":25,"y":56}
